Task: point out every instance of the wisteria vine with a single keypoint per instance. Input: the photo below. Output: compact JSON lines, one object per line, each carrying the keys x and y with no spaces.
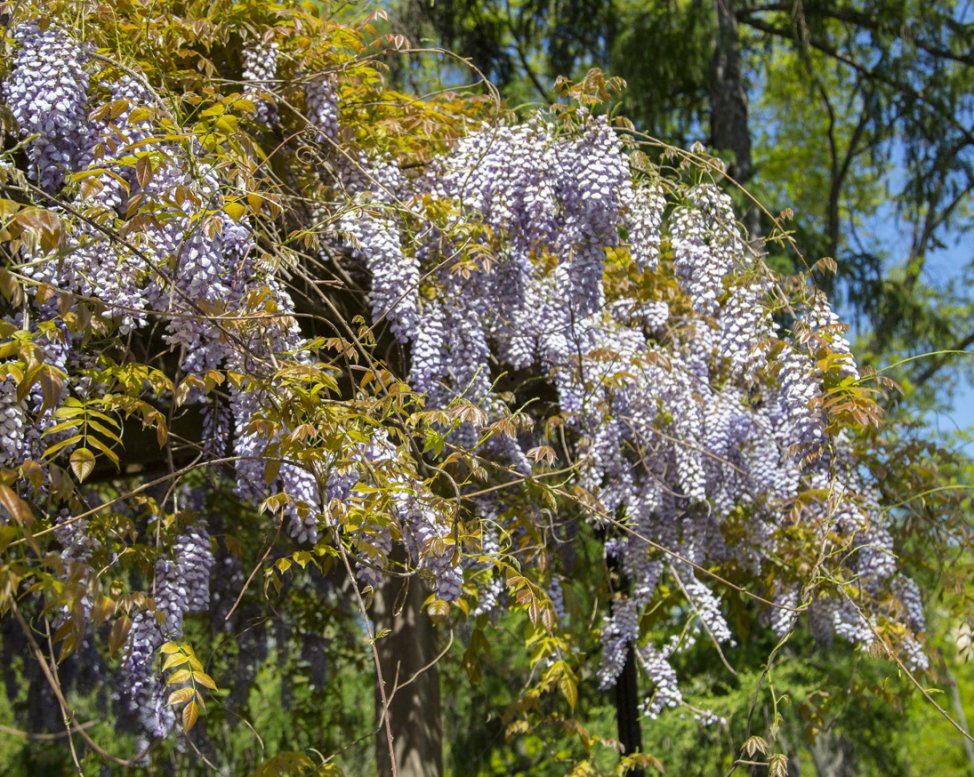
{"x":690,"y":418}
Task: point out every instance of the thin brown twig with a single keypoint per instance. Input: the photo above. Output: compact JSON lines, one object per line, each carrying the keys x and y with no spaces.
{"x":385,"y":719}
{"x":45,"y":736}
{"x":257,"y":566}
{"x":703,"y":623}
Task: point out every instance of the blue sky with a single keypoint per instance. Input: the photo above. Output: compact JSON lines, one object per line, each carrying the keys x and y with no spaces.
{"x":943,"y":266}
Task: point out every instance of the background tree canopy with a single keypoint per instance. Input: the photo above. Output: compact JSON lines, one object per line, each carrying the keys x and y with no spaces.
{"x":355,"y":429}
{"x":857,"y":116}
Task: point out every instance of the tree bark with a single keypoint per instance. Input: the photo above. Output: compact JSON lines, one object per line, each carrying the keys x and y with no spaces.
{"x":627,"y":709}
{"x":729,"y":130}
{"x":407,"y":655}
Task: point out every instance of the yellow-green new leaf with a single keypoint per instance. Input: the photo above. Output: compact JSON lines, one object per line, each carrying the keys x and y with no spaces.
{"x":568,"y":688}
{"x":96,"y":443}
{"x":179,"y":676}
{"x":179,"y":696}
{"x":175,"y":659}
{"x":235,"y":210}
{"x":205,"y":680}
{"x":59,"y":446}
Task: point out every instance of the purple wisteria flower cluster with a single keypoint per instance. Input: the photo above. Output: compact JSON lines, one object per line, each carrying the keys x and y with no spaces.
{"x":680,"y":413}
{"x":182,"y":586}
{"x":259,"y":70}
{"x":681,"y":418}
{"x":47,"y":91}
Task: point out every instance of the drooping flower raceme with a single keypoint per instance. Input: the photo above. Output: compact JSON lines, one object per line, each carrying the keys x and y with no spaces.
{"x":47,"y":91}
{"x":693,"y":425}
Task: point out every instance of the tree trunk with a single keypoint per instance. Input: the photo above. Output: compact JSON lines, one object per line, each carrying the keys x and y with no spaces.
{"x":406,"y":655}
{"x":627,"y":709}
{"x":729,"y":129}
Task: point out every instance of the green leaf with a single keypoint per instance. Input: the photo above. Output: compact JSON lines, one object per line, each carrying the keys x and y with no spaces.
{"x":71,"y":423}
{"x":290,"y":764}
{"x":139,"y":115}
{"x":106,"y":418}
{"x":69,"y":412}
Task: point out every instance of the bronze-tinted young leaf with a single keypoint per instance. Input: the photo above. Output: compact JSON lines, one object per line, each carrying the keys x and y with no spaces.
{"x":778,"y":765}
{"x":68,"y":645}
{"x":119,"y":632}
{"x":82,"y":463}
{"x":162,"y":431}
{"x":143,"y":171}
{"x":272,"y":468}
{"x":102,"y":609}
{"x":11,"y":289}
{"x":753,"y":745}
{"x":438,"y":607}
{"x":191,"y":713}
{"x":52,"y":384}
{"x":29,"y":379}
{"x":15,"y":506}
